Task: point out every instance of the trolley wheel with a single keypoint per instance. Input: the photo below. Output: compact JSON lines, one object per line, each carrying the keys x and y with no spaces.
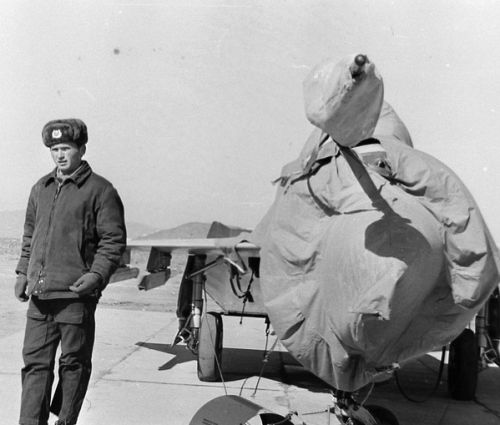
{"x":463,"y":366}
{"x":382,"y":415}
{"x":210,"y":348}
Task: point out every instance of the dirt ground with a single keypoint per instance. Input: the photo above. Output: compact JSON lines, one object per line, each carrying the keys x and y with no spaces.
{"x":120,"y":295}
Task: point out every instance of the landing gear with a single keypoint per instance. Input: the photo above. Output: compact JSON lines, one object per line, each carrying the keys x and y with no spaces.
{"x":493,"y":324}
{"x":463,"y":366}
{"x":472,"y":353}
{"x":350,"y":412}
{"x":206,"y":331}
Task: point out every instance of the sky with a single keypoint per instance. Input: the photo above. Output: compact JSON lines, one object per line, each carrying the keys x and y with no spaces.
{"x":194,"y":106}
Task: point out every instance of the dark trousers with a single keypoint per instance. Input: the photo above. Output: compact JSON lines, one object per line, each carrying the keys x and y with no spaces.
{"x":71,"y":323}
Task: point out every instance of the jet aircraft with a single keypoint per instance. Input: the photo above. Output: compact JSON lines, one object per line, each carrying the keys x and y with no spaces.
{"x":372,"y":254}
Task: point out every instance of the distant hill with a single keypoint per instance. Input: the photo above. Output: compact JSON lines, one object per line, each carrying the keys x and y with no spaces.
{"x":185,"y":231}
{"x":196,"y":230}
{"x":12,"y":222}
{"x":11,"y":226}
{"x":135,"y":230}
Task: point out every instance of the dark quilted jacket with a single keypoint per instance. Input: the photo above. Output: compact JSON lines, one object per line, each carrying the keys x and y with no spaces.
{"x":71,"y":229}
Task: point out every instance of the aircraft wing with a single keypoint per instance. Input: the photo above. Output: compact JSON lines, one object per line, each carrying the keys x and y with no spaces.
{"x":191,"y":246}
{"x":160,"y":254}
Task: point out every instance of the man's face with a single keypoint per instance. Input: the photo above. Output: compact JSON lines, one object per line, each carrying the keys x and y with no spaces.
{"x":67,"y":157}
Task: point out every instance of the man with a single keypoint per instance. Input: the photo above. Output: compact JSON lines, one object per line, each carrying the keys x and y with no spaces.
{"x":74,"y":235}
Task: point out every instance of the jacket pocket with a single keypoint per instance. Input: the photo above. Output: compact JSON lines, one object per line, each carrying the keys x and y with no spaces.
{"x":35,"y":314}
{"x":37,"y":309}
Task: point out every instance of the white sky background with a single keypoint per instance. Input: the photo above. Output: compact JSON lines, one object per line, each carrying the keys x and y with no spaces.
{"x":194,"y":106}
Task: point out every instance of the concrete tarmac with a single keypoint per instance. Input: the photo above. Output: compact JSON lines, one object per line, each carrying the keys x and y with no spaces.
{"x":139,"y":378}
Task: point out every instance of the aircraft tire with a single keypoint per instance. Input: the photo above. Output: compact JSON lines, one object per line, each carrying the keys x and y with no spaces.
{"x":210,"y":348}
{"x":463,"y":366}
{"x":494,"y":324}
{"x":382,"y":415}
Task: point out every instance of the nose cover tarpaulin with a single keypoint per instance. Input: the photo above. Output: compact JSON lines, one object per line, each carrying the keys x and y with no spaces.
{"x":344,"y":98}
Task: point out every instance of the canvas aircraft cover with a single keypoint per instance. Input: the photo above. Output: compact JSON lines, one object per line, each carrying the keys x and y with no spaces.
{"x":371,"y":256}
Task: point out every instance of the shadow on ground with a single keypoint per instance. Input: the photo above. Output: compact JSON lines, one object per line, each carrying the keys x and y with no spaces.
{"x":242,"y":363}
{"x":419,"y":384}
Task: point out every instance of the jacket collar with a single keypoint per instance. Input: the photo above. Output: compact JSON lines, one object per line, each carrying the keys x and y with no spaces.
{"x":82,"y":174}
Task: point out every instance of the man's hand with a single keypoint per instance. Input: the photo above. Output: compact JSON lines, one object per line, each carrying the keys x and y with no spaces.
{"x":20,"y":288}
{"x":86,"y":284}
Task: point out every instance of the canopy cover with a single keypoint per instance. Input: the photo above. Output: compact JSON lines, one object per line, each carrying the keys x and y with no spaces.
{"x":373,"y":255}
{"x":344,"y":99}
